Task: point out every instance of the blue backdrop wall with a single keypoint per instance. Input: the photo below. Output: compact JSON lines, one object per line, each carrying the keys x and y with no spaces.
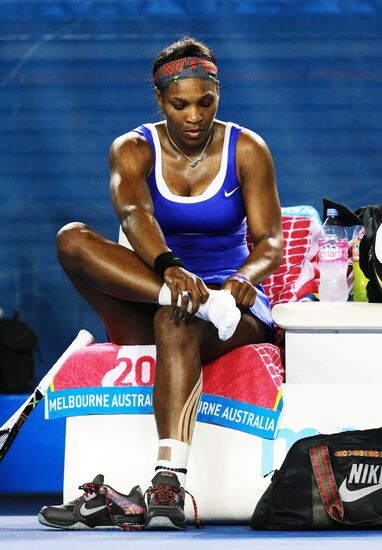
{"x":306,"y":75}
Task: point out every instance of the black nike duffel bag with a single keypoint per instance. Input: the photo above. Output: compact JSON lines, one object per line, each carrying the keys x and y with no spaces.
{"x":326,"y":482}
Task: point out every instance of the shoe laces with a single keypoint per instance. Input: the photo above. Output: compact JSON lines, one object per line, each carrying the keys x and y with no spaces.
{"x":166,"y":493}
{"x":89,"y":489}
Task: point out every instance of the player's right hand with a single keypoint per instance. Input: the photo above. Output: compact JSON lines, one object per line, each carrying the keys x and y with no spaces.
{"x":186,"y":288}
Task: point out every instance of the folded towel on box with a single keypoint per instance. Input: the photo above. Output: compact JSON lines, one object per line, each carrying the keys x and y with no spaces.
{"x":241,"y":390}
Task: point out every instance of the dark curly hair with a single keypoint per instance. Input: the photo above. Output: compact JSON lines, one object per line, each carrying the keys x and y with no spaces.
{"x":185,"y":47}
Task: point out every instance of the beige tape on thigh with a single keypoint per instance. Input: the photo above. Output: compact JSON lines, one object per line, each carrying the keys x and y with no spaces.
{"x":188,"y":415}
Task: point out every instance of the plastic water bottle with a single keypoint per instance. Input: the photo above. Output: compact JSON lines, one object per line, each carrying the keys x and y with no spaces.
{"x":333,"y":260}
{"x":360,"y":281}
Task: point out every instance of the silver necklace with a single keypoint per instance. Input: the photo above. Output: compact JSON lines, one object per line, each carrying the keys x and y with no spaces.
{"x":199,"y":158}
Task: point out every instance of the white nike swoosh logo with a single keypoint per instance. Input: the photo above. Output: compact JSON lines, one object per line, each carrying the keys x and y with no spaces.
{"x":89,"y":511}
{"x":351,"y":496}
{"x":229,"y":193}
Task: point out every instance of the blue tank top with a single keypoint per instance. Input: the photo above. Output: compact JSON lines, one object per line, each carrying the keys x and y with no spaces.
{"x":207,"y":231}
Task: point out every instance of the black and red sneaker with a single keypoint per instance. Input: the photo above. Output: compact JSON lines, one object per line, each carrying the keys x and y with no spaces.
{"x":165,"y":503}
{"x":100,"y":507}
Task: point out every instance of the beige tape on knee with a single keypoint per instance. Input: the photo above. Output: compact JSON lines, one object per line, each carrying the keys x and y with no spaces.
{"x":188,"y":415}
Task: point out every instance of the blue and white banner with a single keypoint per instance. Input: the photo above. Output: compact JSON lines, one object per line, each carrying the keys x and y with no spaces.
{"x":238,"y":415}
{"x":112,"y":400}
{"x":212,"y":409}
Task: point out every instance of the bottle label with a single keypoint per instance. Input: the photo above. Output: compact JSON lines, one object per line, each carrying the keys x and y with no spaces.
{"x":332,"y":252}
{"x":355,"y":250}
{"x":355,"y":244}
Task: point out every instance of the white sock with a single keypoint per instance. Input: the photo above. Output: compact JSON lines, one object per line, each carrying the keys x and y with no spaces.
{"x":220,"y":309}
{"x":173,"y":455}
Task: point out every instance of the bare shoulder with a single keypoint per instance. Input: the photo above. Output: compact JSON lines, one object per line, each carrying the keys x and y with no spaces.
{"x":253,"y":158}
{"x":252,"y":146}
{"x":131,"y":150}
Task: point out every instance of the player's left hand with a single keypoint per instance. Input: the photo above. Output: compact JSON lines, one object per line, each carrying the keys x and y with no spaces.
{"x":243,"y":291}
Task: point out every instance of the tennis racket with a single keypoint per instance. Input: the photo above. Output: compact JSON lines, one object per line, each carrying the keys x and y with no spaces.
{"x":11,"y":428}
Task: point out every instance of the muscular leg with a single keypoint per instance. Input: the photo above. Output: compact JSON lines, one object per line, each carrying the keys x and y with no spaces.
{"x":178,"y":369}
{"x":113,"y":280}
{"x":182,"y":346}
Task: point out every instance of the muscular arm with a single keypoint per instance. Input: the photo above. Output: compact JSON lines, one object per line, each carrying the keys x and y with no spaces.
{"x":256,"y":174}
{"x":131,"y":160}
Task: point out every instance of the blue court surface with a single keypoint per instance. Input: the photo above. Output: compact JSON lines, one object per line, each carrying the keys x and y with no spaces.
{"x":19,"y":529}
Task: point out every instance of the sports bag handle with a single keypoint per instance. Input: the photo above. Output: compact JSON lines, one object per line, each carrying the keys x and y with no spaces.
{"x":326,"y":483}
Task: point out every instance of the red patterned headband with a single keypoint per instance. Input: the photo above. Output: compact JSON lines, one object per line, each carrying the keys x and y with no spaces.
{"x":187,"y":67}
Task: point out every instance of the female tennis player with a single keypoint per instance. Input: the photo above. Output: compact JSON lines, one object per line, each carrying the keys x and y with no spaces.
{"x":185,"y":191}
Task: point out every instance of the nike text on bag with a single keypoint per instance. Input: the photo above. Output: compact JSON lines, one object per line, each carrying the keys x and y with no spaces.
{"x":326,"y":482}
